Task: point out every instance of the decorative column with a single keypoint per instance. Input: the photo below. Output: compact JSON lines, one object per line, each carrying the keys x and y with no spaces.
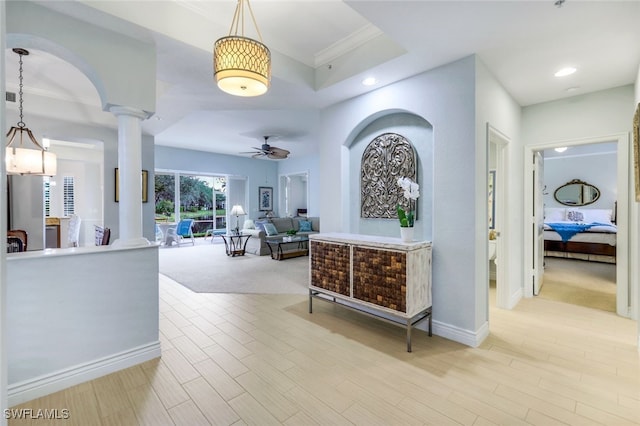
{"x":130,"y":176}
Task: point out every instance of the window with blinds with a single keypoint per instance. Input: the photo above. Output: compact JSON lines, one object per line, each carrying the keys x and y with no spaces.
{"x":69,"y":196}
{"x":47,"y":198}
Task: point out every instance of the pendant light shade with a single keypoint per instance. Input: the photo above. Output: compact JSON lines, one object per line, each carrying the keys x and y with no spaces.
{"x":242,"y":65}
{"x":19,"y":159}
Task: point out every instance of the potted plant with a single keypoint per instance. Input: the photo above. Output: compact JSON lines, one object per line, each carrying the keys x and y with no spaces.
{"x":411,"y":192}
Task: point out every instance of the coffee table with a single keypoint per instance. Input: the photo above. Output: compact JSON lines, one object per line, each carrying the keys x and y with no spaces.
{"x":287,"y":247}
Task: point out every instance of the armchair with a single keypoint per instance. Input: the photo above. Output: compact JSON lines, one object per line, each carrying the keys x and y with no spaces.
{"x":183,"y":230}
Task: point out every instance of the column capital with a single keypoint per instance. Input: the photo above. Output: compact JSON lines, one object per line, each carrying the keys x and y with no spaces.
{"x":118,"y":110}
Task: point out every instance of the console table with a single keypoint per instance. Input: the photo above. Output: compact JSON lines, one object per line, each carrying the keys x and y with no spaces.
{"x":380,"y":276}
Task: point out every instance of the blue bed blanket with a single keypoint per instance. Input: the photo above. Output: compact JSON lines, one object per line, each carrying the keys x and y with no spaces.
{"x":568,"y":230}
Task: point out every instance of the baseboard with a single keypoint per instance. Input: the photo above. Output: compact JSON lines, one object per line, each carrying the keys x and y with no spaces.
{"x":515,"y":298}
{"x":44,"y":385}
{"x":466,"y":337}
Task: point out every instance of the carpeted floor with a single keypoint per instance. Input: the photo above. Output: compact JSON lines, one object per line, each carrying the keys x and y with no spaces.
{"x":579,"y":282}
{"x":205,"y":268}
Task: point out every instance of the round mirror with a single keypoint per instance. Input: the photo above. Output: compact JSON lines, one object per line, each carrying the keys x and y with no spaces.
{"x":576,"y":193}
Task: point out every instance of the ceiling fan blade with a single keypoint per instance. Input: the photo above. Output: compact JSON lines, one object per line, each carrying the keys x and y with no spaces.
{"x":279,"y":151}
{"x":258,"y":155}
{"x":276,"y":156}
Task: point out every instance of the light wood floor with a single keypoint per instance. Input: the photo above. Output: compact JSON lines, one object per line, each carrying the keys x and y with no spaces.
{"x":262,"y":359}
{"x":580,"y":282}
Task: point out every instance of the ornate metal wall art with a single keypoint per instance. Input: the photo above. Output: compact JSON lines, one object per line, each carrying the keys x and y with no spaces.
{"x":388,"y":157}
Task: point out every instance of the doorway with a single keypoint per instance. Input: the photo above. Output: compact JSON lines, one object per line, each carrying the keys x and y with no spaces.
{"x":626,"y":214}
{"x":498,"y":215}
{"x":294,"y":194}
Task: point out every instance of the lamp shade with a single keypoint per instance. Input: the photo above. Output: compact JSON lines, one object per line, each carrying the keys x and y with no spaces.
{"x":24,"y":161}
{"x":242,"y":66}
{"x":237,"y":210}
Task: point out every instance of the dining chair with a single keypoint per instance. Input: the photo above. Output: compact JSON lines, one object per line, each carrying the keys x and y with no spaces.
{"x":14,"y":244}
{"x":74,"y":231}
{"x":102,"y":235}
{"x":19,"y":233}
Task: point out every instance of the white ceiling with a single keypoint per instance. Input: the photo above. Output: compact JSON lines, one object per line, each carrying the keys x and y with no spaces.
{"x":315,"y":44}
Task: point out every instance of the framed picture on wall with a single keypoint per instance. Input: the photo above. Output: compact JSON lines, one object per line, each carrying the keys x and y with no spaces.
{"x":265,"y":198}
{"x":145,"y":186}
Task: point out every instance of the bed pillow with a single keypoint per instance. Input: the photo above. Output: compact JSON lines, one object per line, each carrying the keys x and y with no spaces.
{"x":597,"y":215}
{"x":270,"y":229}
{"x":555,"y":214}
{"x":575,"y":216}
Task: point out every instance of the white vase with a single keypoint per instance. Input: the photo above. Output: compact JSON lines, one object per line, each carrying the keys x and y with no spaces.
{"x":406,"y":233}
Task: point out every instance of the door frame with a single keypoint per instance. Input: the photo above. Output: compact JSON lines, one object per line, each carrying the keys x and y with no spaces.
{"x":501,"y":142}
{"x":627,"y":214}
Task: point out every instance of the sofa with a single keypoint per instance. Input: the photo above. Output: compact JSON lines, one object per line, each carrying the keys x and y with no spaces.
{"x":257,"y":244}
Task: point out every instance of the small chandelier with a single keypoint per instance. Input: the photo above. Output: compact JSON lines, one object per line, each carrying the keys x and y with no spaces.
{"x":26,"y":161}
{"x":241,"y":65}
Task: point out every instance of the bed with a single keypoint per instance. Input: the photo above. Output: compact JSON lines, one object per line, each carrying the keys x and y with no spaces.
{"x":580,"y":233}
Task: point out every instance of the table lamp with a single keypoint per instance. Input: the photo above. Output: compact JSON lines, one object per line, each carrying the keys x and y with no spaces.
{"x":237,"y":211}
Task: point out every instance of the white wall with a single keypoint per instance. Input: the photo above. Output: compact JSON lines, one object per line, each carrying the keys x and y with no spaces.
{"x":444,"y":98}
{"x":27,"y":208}
{"x":311,"y":165}
{"x":635,"y":227}
{"x":599,"y":170}
{"x":603,"y":113}
{"x":420,"y":134}
{"x":101,"y":59}
{"x":592,"y":116}
{"x":69,"y":321}
{"x":494,"y":105}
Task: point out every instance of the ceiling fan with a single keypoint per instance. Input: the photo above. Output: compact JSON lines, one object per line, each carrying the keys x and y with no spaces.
{"x":268,"y":151}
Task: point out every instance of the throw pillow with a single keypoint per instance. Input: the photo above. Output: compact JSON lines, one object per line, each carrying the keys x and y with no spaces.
{"x":260,"y":224}
{"x":270,"y":229}
{"x":305,"y":226}
{"x":575,"y":216}
{"x":248,"y":224}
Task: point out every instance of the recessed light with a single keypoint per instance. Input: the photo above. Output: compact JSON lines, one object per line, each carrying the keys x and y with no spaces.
{"x":561,"y":149}
{"x":565,"y":72}
{"x":369,"y":81}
